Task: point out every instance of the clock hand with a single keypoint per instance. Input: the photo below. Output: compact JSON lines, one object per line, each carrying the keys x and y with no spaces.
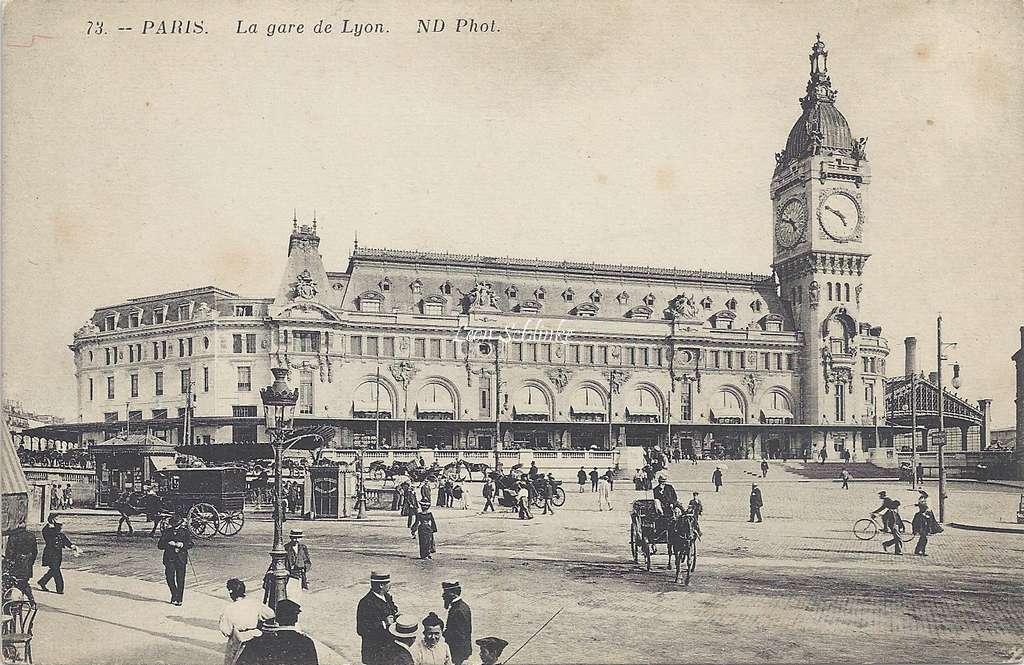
{"x":838,"y":214}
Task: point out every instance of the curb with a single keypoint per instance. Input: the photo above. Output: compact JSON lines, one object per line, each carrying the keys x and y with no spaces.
{"x":991,"y":529}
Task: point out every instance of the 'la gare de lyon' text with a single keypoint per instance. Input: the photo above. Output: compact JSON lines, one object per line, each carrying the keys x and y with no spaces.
{"x":360,"y":28}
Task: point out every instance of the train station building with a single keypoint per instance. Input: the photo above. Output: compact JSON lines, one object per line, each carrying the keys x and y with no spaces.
{"x":476,"y":353}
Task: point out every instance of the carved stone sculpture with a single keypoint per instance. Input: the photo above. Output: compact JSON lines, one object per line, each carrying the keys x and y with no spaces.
{"x":305,"y":286}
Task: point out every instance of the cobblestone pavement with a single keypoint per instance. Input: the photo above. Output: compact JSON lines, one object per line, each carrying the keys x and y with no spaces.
{"x":797,"y":588}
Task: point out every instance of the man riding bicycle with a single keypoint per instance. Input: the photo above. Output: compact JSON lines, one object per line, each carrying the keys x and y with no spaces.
{"x":888,"y":510}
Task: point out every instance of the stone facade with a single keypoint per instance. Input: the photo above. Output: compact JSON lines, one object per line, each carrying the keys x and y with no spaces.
{"x":435,"y":348}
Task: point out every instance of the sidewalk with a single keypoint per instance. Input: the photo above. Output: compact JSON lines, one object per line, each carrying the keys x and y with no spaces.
{"x":103,"y":619}
{"x":990,"y":526}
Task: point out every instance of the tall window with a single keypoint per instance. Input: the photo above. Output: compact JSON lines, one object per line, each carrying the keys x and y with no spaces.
{"x":685,"y":401}
{"x":373,"y":346}
{"x":133,"y":320}
{"x":435,"y":348}
{"x":356,"y":345}
{"x":840,"y":390}
{"x":485,"y":400}
{"x":186,"y":379}
{"x":108,"y":322}
{"x":243,"y":310}
{"x":250,"y":343}
{"x":419,"y":348}
{"x":135,"y":385}
{"x":158,"y":383}
{"x":244,"y":379}
{"x":206,"y":379}
{"x":869,"y":395}
{"x":183,"y":312}
{"x":236,"y":343}
{"x":158,"y":315}
{"x":90,"y":390}
{"x":306,"y":392}
{"x":389,"y":347}
{"x":305,"y":340}
{"x":110,"y":387}
{"x":516,"y":353}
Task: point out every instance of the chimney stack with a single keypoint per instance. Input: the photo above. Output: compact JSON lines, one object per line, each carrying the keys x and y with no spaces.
{"x":911,"y":355}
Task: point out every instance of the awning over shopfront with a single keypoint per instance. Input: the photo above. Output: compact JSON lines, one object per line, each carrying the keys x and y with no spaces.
{"x":134,"y":444}
{"x":588,"y":409}
{"x":441,"y":407}
{"x":776,"y":416}
{"x":643,"y":410}
{"x":161,"y":463}
{"x":383,"y":408}
{"x":13,"y":485}
{"x":728,"y":414}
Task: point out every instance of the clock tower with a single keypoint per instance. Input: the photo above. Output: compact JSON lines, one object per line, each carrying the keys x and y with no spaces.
{"x":820,"y":216}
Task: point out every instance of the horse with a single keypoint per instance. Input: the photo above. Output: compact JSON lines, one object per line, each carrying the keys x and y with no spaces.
{"x":139,"y":503}
{"x":470,"y":467}
{"x":683,"y":534}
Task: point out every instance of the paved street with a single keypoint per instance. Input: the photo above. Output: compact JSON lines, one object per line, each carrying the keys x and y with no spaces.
{"x":797,"y":588}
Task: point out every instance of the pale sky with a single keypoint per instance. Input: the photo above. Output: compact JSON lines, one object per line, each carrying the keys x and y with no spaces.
{"x":639,"y":133}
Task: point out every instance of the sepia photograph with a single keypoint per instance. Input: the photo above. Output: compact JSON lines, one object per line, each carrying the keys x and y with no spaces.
{"x":512,"y":331}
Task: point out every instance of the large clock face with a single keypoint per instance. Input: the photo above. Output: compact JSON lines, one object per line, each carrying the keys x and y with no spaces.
{"x":791,"y":224}
{"x":839,"y":215}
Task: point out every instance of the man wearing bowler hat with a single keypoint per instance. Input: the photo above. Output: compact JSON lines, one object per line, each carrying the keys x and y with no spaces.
{"x":296,"y":557}
{"x":398,"y":651}
{"x":374,"y":615}
{"x":458,"y":634}
{"x":175,"y":541}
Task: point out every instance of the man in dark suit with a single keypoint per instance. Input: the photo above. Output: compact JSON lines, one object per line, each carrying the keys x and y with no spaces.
{"x":489,"y":490}
{"x":459,"y":632}
{"x":176,"y":541}
{"x":296,"y":557}
{"x":665,"y":494}
{"x":581,"y":477}
{"x":21,"y":552}
{"x":755,"y":503}
{"x":283,"y":645}
{"x":53,"y":553}
{"x":398,"y":650}
{"x":594,"y":475}
{"x":375,"y":613}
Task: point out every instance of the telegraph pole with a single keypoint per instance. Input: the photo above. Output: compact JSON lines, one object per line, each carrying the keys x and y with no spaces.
{"x":497,"y":403}
{"x":913,"y":430}
{"x":942,"y":427}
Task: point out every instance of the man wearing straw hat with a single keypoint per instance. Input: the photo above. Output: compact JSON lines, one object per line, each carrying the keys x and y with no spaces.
{"x":398,"y":651}
{"x":375,"y":613}
{"x":297,"y":557}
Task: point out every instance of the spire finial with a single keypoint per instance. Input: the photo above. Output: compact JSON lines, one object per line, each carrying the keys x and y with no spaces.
{"x":295,"y":220}
{"x":314,"y":220}
{"x":355,"y":241}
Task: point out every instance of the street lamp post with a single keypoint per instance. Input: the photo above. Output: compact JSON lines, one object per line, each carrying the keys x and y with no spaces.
{"x":940,"y":353}
{"x":279,"y":408}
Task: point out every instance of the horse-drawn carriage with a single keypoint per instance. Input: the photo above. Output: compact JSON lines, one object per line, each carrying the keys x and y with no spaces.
{"x":209,"y":499}
{"x":507,"y":488}
{"x":649,"y":527}
{"x":380,"y":470}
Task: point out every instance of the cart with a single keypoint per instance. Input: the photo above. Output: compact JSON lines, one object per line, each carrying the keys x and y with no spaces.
{"x":210,"y":499}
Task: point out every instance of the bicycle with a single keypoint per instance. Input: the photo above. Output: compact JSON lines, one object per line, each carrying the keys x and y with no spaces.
{"x":868,"y":527}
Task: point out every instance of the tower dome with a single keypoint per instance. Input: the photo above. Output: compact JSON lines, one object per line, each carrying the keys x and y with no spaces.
{"x":821,"y":127}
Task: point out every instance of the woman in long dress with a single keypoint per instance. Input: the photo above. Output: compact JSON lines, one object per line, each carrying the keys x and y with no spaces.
{"x":424,"y":527}
{"x":240,"y":620}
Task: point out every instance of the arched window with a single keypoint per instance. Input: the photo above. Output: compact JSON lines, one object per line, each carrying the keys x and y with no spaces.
{"x":531,"y":404}
{"x":435,"y":402}
{"x":643,"y":406}
{"x":726,"y":407}
{"x":370,"y":400}
{"x":846,"y":292}
{"x":838,"y":340}
{"x":588,"y":404}
{"x":829,"y":290}
{"x":776,"y":409}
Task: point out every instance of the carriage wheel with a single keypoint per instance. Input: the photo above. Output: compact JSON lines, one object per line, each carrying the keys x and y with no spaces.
{"x":538,"y":500}
{"x":559,"y":498}
{"x":633,"y":544}
{"x":202,"y":520}
{"x":230,"y":523}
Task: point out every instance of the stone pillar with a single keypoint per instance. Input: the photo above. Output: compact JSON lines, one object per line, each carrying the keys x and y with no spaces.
{"x":986,"y":424}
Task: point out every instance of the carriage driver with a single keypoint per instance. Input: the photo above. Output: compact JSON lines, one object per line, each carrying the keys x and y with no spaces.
{"x":665,"y":496}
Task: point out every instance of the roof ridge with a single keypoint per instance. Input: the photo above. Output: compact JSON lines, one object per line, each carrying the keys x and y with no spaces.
{"x":445,"y":258}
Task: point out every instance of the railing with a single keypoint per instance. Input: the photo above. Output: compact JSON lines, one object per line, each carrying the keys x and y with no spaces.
{"x":445,"y":454}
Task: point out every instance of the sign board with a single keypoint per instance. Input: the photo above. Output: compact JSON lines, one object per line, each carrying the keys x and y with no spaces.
{"x":939,"y":438}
